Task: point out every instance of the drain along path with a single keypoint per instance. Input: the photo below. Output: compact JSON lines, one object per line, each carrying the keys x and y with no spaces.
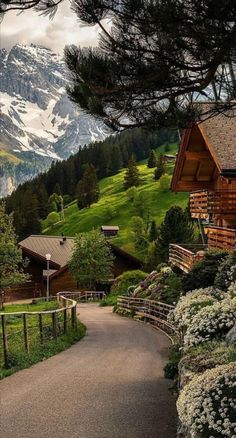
{"x":108,"y":385}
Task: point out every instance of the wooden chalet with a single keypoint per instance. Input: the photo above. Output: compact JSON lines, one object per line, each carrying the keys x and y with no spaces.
{"x":206,"y":167}
{"x":110,"y":230}
{"x":35,"y":248}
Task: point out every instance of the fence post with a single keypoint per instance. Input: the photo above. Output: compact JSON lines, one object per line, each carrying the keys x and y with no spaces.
{"x":4,"y":339}
{"x":65,"y":320}
{"x":41,"y":328}
{"x":54,"y":325}
{"x":73,"y":317}
{"x":26,"y":338}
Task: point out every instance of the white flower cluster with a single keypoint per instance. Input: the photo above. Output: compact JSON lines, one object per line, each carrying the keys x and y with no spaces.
{"x":207,"y":405}
{"x":166,"y":270}
{"x":189,"y":305}
{"x":210,"y":322}
{"x":232,"y":289}
{"x":231,"y":274}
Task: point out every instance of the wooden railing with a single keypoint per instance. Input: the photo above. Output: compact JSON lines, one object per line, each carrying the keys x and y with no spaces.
{"x":37,"y":327}
{"x":205,"y":203}
{"x":154,"y":312}
{"x":185,"y":256}
{"x":222,"y":238}
{"x":83,"y":296}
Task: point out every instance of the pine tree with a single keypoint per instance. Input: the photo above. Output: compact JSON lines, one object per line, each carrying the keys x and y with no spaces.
{"x":88,"y":188}
{"x":116,"y":159}
{"x":176,"y":228}
{"x":160,"y":168}
{"x":42,"y":197}
{"x":10,"y":254}
{"x":153,"y":232}
{"x":161,"y":56}
{"x":152,"y":159}
{"x":132,"y":174}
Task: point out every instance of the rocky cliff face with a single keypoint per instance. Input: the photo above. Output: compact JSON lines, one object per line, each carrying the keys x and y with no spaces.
{"x":38,"y":123}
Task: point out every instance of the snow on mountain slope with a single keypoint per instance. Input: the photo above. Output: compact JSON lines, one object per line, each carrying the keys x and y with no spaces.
{"x":38,"y":123}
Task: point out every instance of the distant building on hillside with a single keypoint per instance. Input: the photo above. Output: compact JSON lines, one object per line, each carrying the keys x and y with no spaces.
{"x":168,"y":158}
{"x":35,"y":248}
{"x":110,"y":230}
{"x":206,"y":167}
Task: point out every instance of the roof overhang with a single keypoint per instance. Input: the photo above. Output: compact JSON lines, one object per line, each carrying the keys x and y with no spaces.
{"x":196,"y":164}
{"x":38,"y":257}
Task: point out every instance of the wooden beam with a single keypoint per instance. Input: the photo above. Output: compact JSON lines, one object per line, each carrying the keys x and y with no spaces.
{"x":190,"y":186}
{"x":192,"y":156}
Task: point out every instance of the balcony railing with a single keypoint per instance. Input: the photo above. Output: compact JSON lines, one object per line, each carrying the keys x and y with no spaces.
{"x":205,"y":203}
{"x":185,"y":256}
{"x":222,"y":238}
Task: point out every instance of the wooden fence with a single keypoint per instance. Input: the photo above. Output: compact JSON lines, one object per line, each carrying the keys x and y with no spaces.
{"x":83,"y":296}
{"x":153,"y":312}
{"x":36,"y":327}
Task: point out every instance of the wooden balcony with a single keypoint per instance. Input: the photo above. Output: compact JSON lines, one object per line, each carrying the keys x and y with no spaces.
{"x":205,"y":203}
{"x":185,"y":256}
{"x":221,"y":238}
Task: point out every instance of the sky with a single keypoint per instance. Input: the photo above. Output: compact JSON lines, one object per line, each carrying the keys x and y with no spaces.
{"x":30,"y":27}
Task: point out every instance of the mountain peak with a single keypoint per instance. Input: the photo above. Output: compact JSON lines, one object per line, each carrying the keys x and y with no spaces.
{"x":38,"y":122}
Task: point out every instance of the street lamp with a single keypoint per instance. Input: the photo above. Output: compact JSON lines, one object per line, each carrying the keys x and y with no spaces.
{"x":48,"y":258}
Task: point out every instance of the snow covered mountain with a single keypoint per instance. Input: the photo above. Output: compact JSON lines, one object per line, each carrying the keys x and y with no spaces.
{"x":38,"y":123}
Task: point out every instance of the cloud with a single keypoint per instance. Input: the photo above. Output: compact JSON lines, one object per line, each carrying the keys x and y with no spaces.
{"x":29,"y":27}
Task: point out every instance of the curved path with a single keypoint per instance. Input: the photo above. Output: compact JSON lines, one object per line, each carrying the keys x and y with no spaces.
{"x":109,"y":385}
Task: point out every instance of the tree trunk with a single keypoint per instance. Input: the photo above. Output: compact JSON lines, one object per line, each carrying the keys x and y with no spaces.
{"x":1,"y":299}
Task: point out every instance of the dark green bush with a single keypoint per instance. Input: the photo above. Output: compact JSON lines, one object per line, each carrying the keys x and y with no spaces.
{"x":171,"y":368}
{"x":122,"y":284}
{"x":204,"y":272}
{"x":227,"y":272}
{"x":172,"y":290}
{"x":127,"y":279}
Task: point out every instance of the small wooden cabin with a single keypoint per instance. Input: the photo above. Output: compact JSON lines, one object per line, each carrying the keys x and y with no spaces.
{"x":110,"y":230}
{"x":35,"y":248}
{"x":206,"y":167}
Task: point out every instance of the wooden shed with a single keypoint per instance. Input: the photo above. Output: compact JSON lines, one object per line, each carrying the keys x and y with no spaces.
{"x":110,"y":230}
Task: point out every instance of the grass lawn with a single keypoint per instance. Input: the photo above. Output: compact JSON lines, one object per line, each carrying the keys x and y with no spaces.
{"x":113,"y":198}
{"x":18,"y":358}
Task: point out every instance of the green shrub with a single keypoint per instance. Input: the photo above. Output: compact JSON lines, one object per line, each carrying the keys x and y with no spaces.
{"x":165,"y":182}
{"x":127,"y":279}
{"x":209,"y":355}
{"x":171,"y":368}
{"x":173,"y":289}
{"x":227,"y":272}
{"x":122,"y":284}
{"x":204,"y":272}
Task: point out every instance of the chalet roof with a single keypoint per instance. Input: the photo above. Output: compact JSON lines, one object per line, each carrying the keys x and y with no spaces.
{"x":39,"y":246}
{"x":110,"y":228}
{"x":219,"y":132}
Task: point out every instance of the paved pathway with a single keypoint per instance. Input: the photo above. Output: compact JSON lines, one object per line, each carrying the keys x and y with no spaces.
{"x":109,"y":385}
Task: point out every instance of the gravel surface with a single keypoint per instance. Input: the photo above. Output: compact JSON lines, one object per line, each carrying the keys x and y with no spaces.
{"x":108,"y":385}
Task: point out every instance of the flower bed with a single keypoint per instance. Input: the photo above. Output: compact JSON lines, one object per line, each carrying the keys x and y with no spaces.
{"x":211,"y":322}
{"x":206,"y":406}
{"x":189,"y":305}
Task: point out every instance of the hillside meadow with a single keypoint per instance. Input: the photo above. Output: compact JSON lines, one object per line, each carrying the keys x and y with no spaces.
{"x":114,"y":208}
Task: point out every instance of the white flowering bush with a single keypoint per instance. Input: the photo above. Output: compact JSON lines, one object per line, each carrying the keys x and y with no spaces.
{"x":211,"y":322}
{"x":232,"y":289}
{"x":207,"y":405}
{"x":191,"y":304}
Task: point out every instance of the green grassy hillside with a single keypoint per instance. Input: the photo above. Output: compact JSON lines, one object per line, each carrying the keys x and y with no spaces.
{"x":113,"y":197}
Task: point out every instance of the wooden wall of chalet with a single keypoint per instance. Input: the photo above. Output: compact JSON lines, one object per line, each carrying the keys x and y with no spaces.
{"x":122,"y":264}
{"x":23,"y":292}
{"x":62,"y":282}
